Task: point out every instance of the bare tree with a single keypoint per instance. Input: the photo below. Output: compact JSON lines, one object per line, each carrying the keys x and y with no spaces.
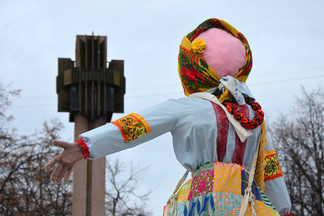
{"x":25,"y":188}
{"x":121,"y":196}
{"x":300,"y":136}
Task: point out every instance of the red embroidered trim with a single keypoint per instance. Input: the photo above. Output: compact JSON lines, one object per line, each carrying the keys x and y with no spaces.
{"x":85,"y":148}
{"x":288,"y":215}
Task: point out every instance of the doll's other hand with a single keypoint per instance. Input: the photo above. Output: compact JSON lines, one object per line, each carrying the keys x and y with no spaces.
{"x":71,"y":154}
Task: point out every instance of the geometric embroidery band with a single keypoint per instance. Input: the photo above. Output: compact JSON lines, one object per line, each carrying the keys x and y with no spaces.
{"x":132,"y":127}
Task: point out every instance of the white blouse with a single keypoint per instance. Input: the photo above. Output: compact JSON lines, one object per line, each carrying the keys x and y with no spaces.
{"x":201,"y":134}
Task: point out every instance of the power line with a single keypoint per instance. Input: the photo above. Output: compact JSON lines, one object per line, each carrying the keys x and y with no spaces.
{"x":291,"y":71}
{"x":286,"y":80}
{"x":252,"y":84}
{"x":146,"y":86}
{"x":176,"y":92}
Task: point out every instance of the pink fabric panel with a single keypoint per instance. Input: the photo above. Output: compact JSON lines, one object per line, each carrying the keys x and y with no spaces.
{"x":222,"y":131}
{"x":224,"y":53}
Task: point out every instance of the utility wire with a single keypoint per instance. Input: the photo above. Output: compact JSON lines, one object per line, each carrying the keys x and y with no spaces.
{"x":310,"y":71}
{"x":169,"y":93}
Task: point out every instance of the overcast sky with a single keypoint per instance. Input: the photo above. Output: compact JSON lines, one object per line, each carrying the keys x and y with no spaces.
{"x":286,"y":38}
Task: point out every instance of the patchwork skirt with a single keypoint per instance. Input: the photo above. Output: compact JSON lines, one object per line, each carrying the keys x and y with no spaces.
{"x":218,"y":189}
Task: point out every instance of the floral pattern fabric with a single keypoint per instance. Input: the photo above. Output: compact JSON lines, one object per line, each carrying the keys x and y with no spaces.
{"x":218,"y":189}
{"x":132,"y":127}
{"x":195,"y":74}
{"x":272,"y":167}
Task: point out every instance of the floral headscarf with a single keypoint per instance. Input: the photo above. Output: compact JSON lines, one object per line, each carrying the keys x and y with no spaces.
{"x":195,"y":73}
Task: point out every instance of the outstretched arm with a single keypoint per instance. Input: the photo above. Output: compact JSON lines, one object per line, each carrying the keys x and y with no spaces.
{"x":71,"y":154}
{"x":126,"y":132}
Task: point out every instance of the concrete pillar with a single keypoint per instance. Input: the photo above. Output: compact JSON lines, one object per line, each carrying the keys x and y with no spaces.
{"x":98,"y":180}
{"x":88,"y":177}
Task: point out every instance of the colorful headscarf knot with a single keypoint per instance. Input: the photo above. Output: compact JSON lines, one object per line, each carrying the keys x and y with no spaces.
{"x":199,"y":45}
{"x":195,"y":73}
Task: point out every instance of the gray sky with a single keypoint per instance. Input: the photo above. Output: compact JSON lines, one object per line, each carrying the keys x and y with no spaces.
{"x":286,"y":38}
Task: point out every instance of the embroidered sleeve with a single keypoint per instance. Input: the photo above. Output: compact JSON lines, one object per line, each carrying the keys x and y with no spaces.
{"x":132,"y":127}
{"x":131,"y":130}
{"x":272,"y":167}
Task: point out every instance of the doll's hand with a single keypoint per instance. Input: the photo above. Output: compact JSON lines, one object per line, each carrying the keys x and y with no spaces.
{"x":71,"y":154}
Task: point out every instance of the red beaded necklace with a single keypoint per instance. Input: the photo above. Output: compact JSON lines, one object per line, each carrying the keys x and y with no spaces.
{"x":245,"y":122}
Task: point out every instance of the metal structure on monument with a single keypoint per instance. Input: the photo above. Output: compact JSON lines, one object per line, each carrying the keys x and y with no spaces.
{"x":90,"y":91}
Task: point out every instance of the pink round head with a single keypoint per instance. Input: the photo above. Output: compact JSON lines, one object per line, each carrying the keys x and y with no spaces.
{"x":224,"y":53}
